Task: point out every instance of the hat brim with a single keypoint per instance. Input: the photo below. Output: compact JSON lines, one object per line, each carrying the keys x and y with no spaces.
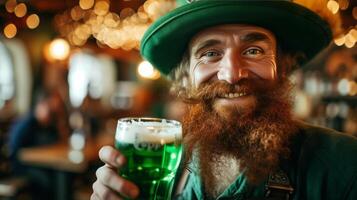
{"x":298,"y":28}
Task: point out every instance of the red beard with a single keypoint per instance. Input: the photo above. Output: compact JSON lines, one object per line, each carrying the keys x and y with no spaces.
{"x":258,"y":136}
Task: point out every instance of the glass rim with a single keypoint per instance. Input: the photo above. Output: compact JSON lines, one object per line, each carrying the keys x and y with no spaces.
{"x":169,"y":122}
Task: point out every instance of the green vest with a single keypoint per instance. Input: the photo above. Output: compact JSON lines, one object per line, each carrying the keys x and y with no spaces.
{"x":322,"y":166}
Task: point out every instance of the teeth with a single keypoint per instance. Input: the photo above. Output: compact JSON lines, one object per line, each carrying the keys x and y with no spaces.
{"x":234,"y":95}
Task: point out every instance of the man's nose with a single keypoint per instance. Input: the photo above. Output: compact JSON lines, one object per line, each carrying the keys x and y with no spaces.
{"x":232,"y":70}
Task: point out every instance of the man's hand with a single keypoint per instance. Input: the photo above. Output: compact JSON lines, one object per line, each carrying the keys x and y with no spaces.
{"x":109,"y":185}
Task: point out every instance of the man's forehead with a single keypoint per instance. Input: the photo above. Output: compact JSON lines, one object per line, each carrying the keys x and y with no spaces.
{"x":240,"y":29}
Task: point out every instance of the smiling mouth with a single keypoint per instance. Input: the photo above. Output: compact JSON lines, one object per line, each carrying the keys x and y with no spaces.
{"x":232,"y":95}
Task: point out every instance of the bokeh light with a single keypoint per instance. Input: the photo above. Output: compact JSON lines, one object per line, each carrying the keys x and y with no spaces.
{"x":10,"y":6}
{"x":353,"y":88}
{"x":340,"y":40}
{"x":10,"y":31}
{"x":123,"y":29}
{"x":20,"y":10}
{"x":333,"y":6}
{"x":86,"y":4}
{"x":146,"y":70}
{"x":59,"y":49}
{"x":354,"y":13}
{"x":344,"y":4}
{"x":101,"y":7}
{"x":76,"y":156}
{"x":343,"y":87}
{"x":33,"y":21}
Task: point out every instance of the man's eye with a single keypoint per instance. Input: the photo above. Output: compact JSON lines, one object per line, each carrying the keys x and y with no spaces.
{"x":210,"y":54}
{"x":253,"y":52}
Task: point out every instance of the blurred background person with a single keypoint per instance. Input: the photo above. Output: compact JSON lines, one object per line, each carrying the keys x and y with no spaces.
{"x":45,"y":124}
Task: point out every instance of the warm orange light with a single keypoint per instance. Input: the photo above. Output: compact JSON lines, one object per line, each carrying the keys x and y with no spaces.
{"x":10,"y":31}
{"x":353,"y":33}
{"x":354,"y":13}
{"x":123,"y":30}
{"x":344,"y":4}
{"x":77,"y":13}
{"x":146,"y":70}
{"x":86,"y":4}
{"x":59,"y":49}
{"x":333,"y":6}
{"x":101,"y":7}
{"x":111,"y":20}
{"x":126,"y":12}
{"x":349,"y":42}
{"x":340,"y":40}
{"x":33,"y":21}
{"x":20,"y":10}
{"x":10,"y":6}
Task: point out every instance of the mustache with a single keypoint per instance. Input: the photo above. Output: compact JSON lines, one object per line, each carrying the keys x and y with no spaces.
{"x":217,"y":89}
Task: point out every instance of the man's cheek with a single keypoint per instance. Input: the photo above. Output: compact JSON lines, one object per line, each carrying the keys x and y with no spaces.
{"x":265,"y":69}
{"x":202,"y":74}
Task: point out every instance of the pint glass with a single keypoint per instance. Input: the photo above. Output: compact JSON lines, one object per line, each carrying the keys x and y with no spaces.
{"x":153,"y":150}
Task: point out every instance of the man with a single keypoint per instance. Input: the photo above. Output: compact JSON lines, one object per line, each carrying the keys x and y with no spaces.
{"x":229,"y":61}
{"x":45,"y":124}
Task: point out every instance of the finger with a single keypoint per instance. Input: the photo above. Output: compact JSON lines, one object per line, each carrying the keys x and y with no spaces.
{"x":111,"y":156}
{"x":112,"y":180}
{"x":103,"y":193}
{"x":94,"y":197}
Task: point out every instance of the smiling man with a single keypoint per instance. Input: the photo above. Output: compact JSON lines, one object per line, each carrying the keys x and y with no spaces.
{"x":229,"y":60}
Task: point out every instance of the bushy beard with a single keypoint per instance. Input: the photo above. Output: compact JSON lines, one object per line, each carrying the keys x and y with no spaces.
{"x":258,"y":136}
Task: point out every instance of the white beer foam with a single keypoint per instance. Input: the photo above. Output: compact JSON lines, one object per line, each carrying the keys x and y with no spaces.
{"x":153,"y":132}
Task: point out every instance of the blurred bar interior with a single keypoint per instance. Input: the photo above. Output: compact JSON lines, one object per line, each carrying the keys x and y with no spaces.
{"x":69,"y":69}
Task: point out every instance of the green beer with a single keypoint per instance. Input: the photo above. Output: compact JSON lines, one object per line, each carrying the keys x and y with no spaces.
{"x":153,"y":149}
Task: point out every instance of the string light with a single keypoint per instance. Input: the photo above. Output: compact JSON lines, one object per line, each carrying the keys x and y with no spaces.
{"x":10,"y":6}
{"x":349,"y":42}
{"x":77,"y":13}
{"x":59,"y":49}
{"x":353,"y":88}
{"x":354,"y":13}
{"x":343,"y":87}
{"x":111,"y":20}
{"x":10,"y":31}
{"x":333,"y":6}
{"x":83,"y":31}
{"x":353,"y":33}
{"x":33,"y":21}
{"x":349,"y":38}
{"x":101,"y":7}
{"x":126,"y":12}
{"x":344,"y":4}
{"x":146,"y":70}
{"x":86,"y":4}
{"x":123,"y":30}
{"x":20,"y":10}
{"x":340,"y":40}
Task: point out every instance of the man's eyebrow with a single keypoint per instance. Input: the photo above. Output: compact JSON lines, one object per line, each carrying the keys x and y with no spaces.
{"x":254,"y":37}
{"x":205,"y":44}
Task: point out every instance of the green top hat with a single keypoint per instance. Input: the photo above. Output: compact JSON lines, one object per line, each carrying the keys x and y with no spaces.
{"x":296,"y":27}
